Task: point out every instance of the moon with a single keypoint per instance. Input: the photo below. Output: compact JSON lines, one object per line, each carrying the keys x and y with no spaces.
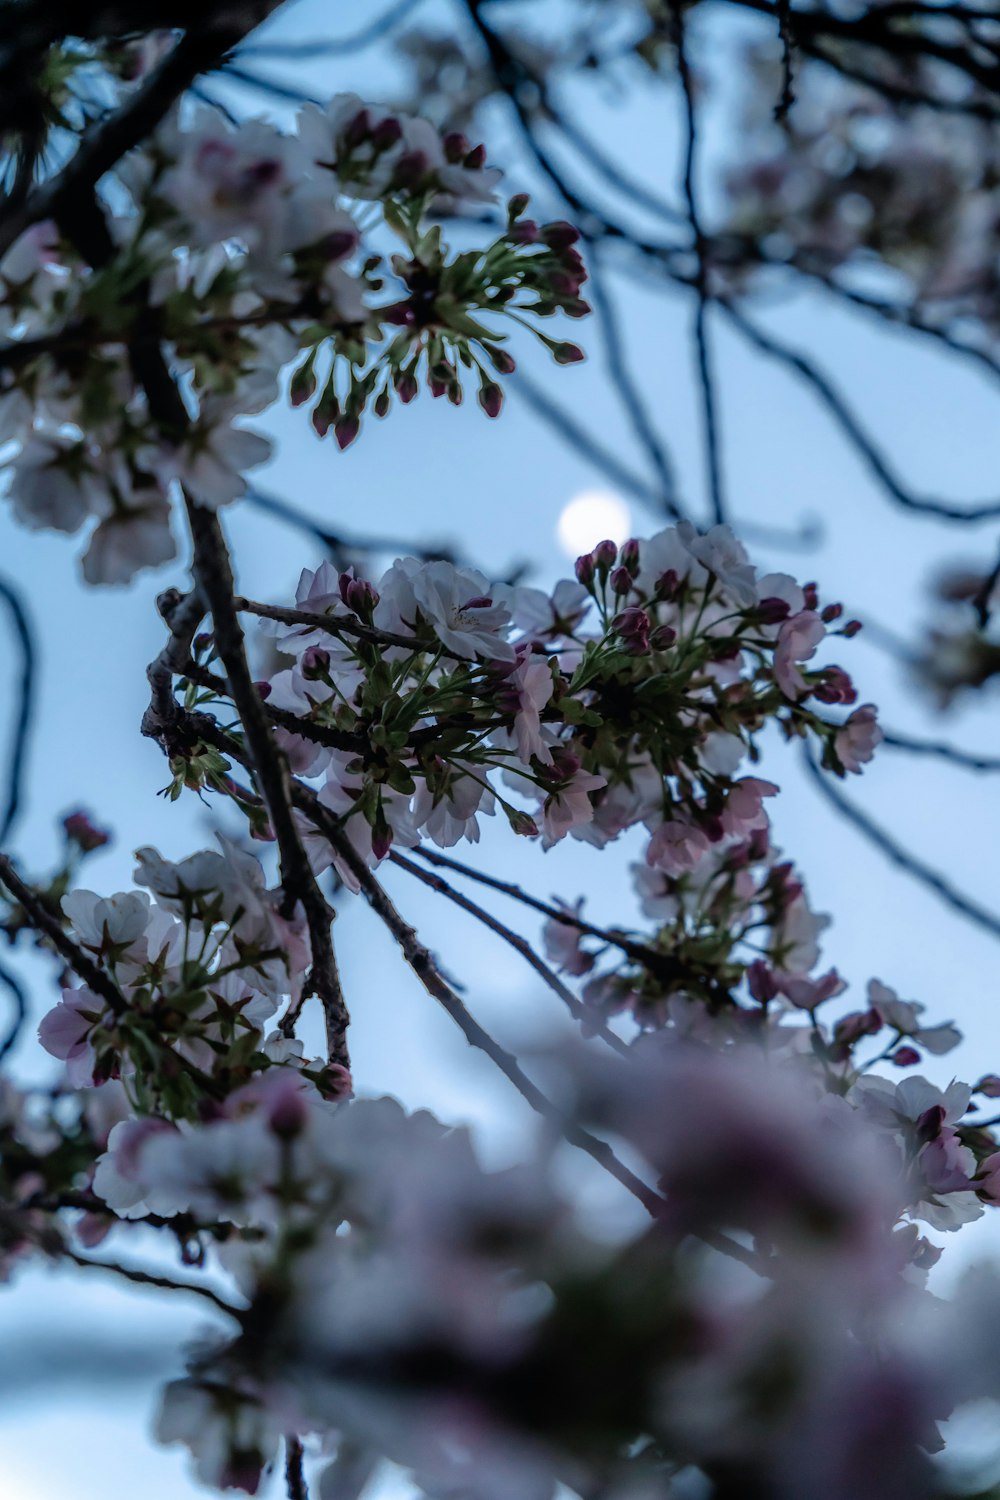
{"x":590,"y":517}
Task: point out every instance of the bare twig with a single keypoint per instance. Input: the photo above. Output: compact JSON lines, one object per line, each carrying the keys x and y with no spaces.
{"x":575,"y":1007}
{"x":147,"y":1278}
{"x":107,"y":142}
{"x":420,"y":961}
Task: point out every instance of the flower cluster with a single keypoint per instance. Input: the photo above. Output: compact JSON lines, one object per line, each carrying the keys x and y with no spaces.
{"x":631,"y":696}
{"x":193,"y":978}
{"x":250,"y":259}
{"x":847,"y":180}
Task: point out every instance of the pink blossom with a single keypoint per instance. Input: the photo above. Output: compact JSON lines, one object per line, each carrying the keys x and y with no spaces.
{"x":66,"y":1030}
{"x":857,"y":738}
{"x":570,"y":806}
{"x":744,"y":809}
{"x":798,"y":639}
{"x":676,"y":846}
{"x":532,"y":681}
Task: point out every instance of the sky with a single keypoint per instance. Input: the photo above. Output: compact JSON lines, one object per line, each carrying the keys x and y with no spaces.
{"x":72,"y":1428}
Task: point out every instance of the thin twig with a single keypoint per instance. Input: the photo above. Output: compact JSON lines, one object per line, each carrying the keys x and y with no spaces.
{"x":42,"y":920}
{"x":146,"y":1278}
{"x":420,"y":961}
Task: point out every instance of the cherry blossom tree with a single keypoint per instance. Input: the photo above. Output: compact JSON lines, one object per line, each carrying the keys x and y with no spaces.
{"x":379,"y":1297}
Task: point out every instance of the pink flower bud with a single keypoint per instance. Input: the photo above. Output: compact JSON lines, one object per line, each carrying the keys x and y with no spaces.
{"x":761,"y":981}
{"x":81,"y":831}
{"x":831,"y":612}
{"x":605,"y":556}
{"x":811,"y":595}
{"x":772,"y":611}
{"x":491,"y":398}
{"x":345,"y":430}
{"x":358,"y":129}
{"x":315,"y":663}
{"x":516,"y":206}
{"x":476,"y":159}
{"x":905,"y":1057}
{"x":621,"y":580}
{"x":584,"y":569}
{"x":456,"y":146}
{"x":559,"y":235}
{"x":629,"y":555}
{"x":522,"y":824}
{"x":406,"y":386}
{"x":386,"y":133}
{"x":567,"y":354}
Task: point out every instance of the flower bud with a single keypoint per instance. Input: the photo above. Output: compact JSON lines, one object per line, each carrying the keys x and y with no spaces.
{"x":567,"y":354}
{"x":772,"y":611}
{"x":501,"y":361}
{"x":522,"y":824}
{"x":605,"y":556}
{"x":663,"y":637}
{"x":811,"y":594}
{"x":476,"y":159}
{"x":516,"y":206}
{"x":667,"y":585}
{"x":761,"y":981}
{"x":303,"y":384}
{"x":559,"y":235}
{"x":315,"y":663}
{"x":456,"y":146}
{"x":831,"y":612}
{"x":905,"y":1057}
{"x":628,"y":556}
{"x":386,"y":133}
{"x":358,"y":129}
{"x":81,"y":831}
{"x":345,"y":430}
{"x":491,"y":398}
{"x":406,"y":386}
{"x":621,"y":580}
{"x":584,"y":569}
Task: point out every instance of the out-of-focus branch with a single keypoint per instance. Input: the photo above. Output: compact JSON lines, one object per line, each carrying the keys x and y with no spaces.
{"x":15,"y":989}
{"x":941,"y":751}
{"x":851,"y":426}
{"x":902,"y":858}
{"x":706,"y":376}
{"x":23,"y":699}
